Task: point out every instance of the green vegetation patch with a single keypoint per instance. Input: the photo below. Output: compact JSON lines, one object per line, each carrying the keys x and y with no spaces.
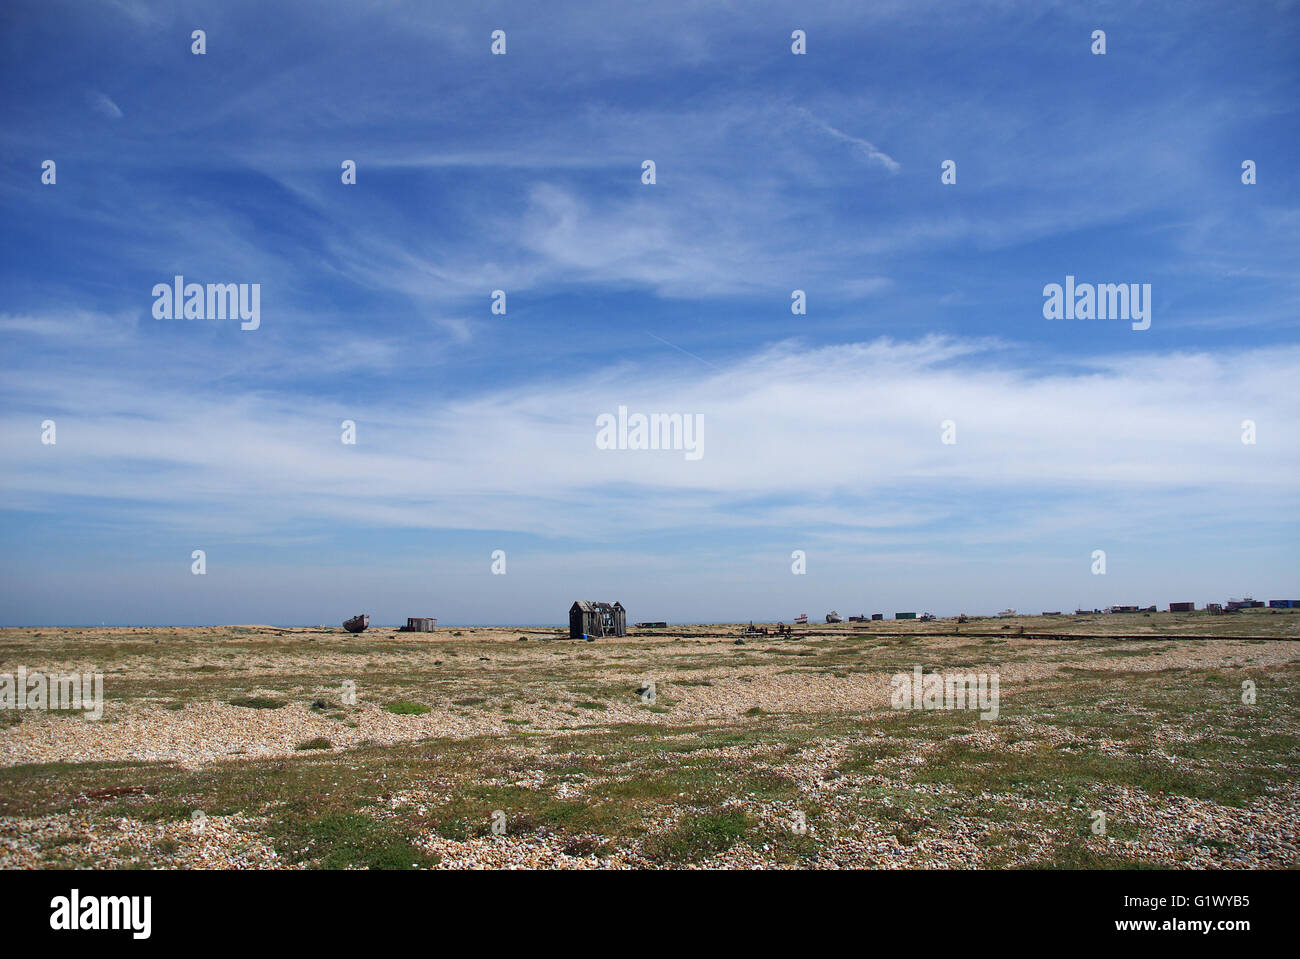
{"x":696,"y":836}
{"x":404,"y":707}
{"x":258,"y":702}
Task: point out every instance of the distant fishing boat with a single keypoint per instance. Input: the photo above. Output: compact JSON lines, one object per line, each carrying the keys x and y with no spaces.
{"x":801,"y":619}
{"x":357,"y":623}
{"x":833,"y":617}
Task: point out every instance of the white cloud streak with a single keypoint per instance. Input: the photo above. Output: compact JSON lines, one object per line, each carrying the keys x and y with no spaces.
{"x":810,"y":434}
{"x":868,"y":149}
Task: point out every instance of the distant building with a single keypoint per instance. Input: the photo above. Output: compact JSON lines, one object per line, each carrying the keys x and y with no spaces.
{"x":875,"y":616}
{"x":589,"y":620}
{"x":905,"y":616}
{"x":1284,"y":604}
{"x":419,"y":624}
{"x":1182,"y":607}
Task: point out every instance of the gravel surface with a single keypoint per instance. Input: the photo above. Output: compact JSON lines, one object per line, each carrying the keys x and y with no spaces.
{"x":172,"y":694}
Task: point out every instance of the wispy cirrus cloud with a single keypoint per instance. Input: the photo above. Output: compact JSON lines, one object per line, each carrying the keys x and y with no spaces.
{"x":868,"y":149}
{"x":843,"y":422}
{"x":101,"y":104}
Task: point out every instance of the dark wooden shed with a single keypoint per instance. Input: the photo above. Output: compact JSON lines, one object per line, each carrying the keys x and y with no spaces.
{"x":589,"y":619}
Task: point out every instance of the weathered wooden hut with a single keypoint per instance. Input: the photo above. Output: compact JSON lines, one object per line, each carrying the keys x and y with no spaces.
{"x":589,"y":619}
{"x":419,"y":624}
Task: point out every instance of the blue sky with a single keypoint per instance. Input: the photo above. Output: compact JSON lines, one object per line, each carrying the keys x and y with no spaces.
{"x":522,"y":172}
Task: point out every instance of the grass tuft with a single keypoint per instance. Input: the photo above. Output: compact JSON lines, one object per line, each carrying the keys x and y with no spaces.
{"x":404,"y":707}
